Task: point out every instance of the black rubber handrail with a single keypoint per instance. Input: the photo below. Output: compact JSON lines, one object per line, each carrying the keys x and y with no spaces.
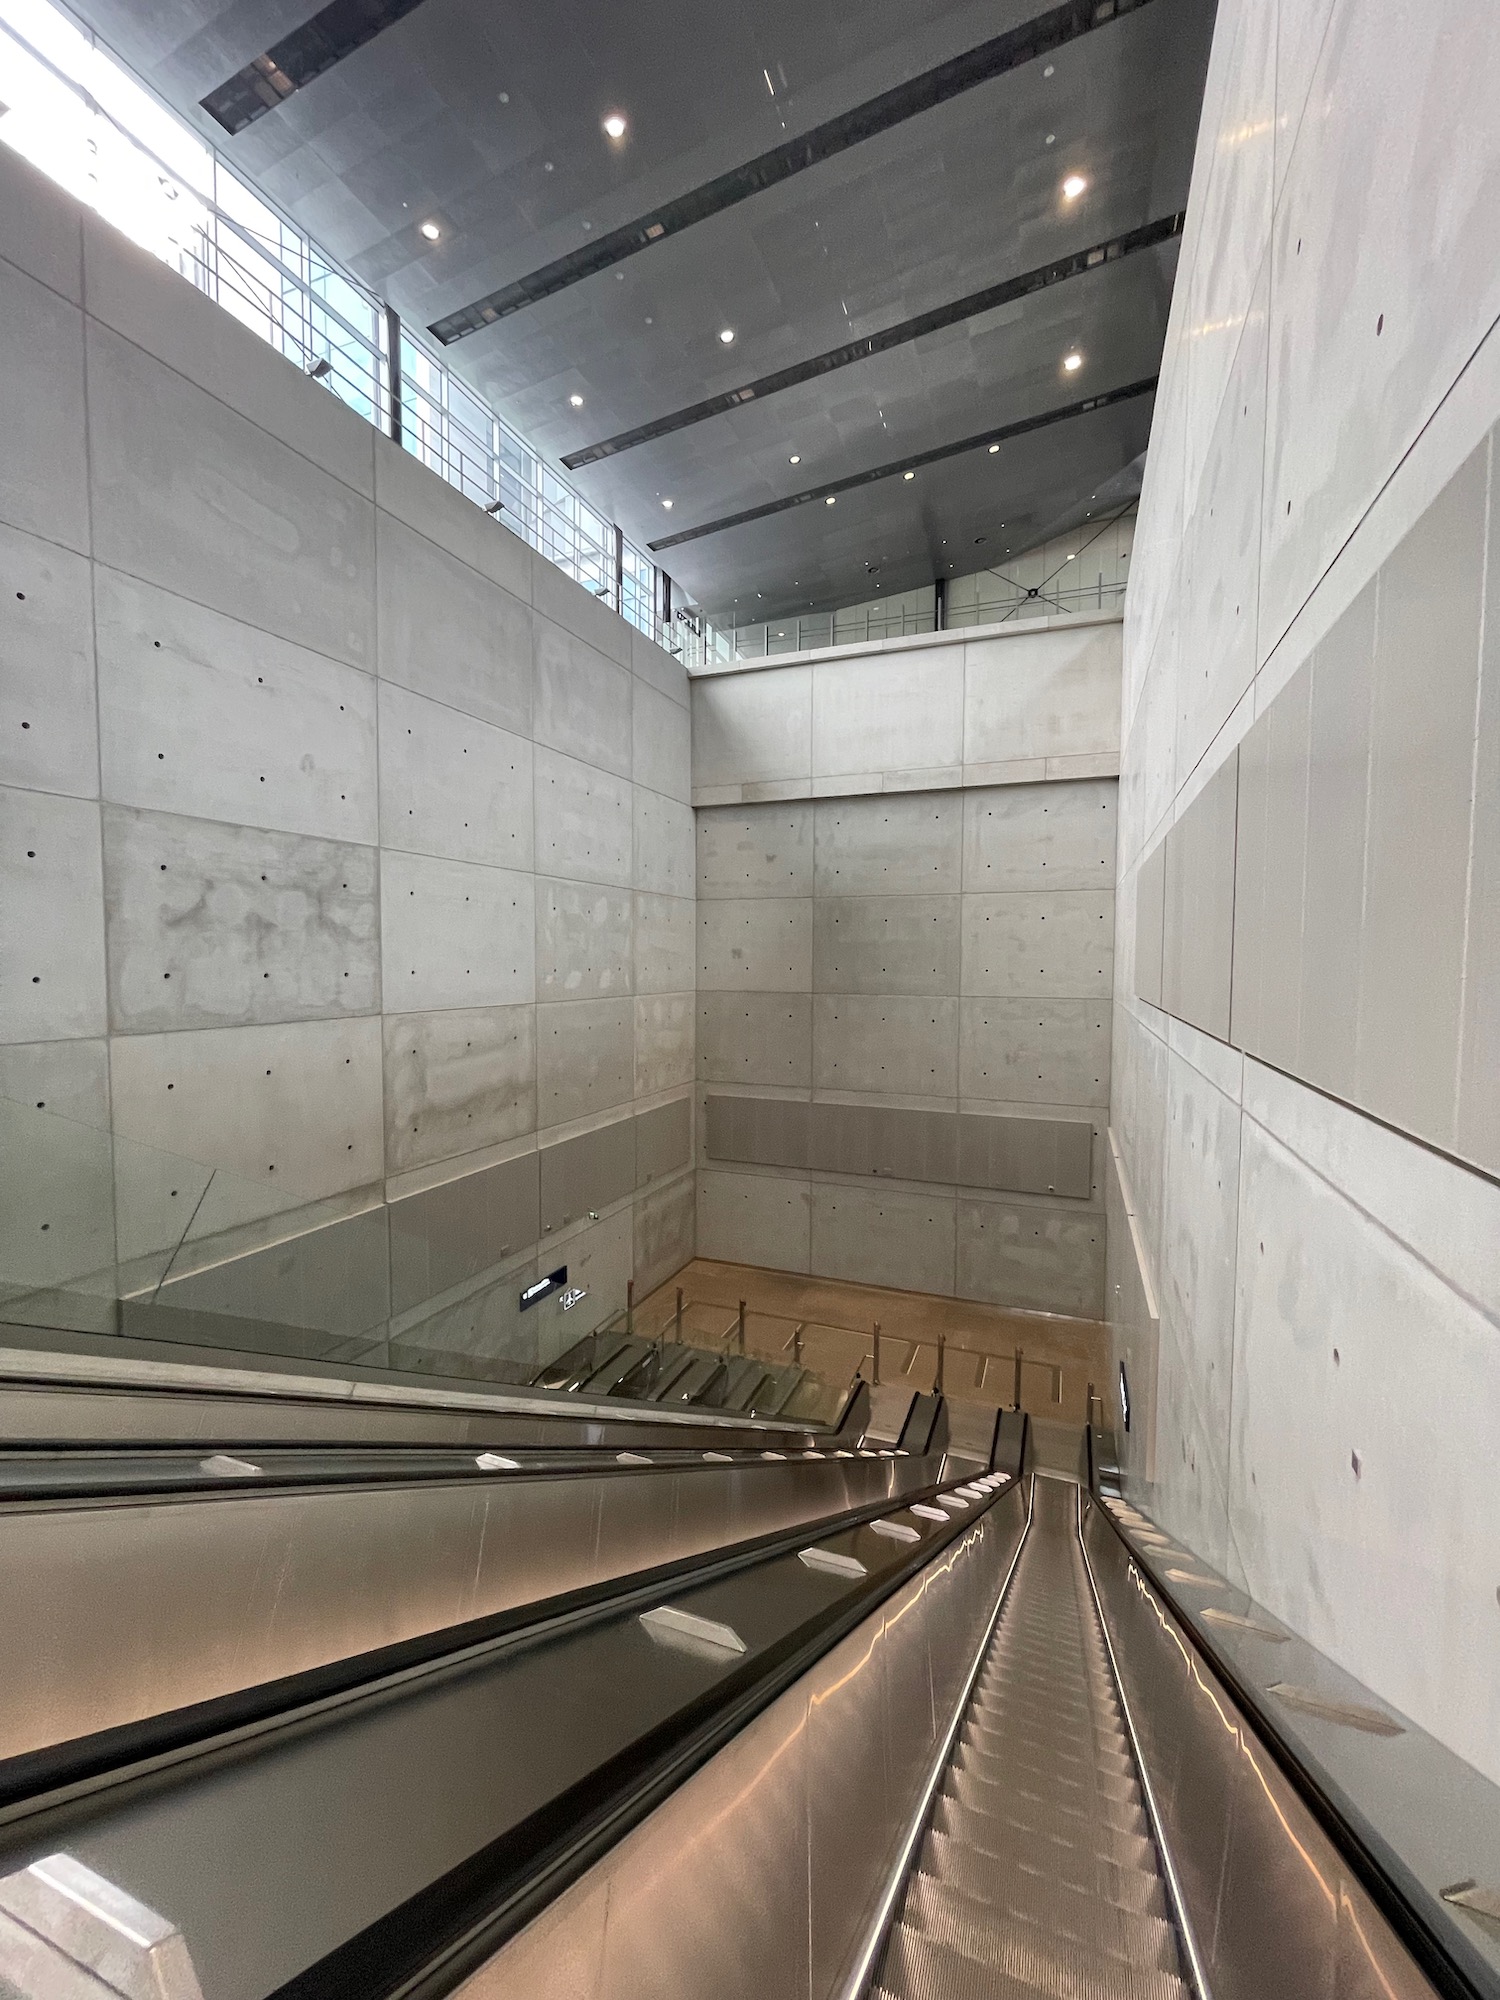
{"x":1445,"y":1957}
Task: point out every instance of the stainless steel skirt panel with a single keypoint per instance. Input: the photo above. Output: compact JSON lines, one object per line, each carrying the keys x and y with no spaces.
{"x":1272,"y":1905}
{"x":757,"y":1876}
{"x":112,"y":1613}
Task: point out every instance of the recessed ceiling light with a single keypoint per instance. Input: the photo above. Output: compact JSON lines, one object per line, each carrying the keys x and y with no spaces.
{"x":795,"y":459}
{"x":829,"y":501}
{"x":910,"y":475}
{"x":1049,"y":70}
{"x":726,"y":334}
{"x":431,"y":231}
{"x":614,"y":125}
{"x":576,"y":401}
{"x":1073,"y":187}
{"x":993,"y":449}
{"x":668,"y":505}
{"x":1073,"y":362}
{"x":1051,"y":138}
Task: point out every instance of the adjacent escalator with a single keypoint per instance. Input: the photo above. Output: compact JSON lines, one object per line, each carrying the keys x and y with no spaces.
{"x":1039,"y":1874}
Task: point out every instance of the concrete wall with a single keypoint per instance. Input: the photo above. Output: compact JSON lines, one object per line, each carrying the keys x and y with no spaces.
{"x":341,"y":837}
{"x":905,"y":962}
{"x":1303,"y":1268}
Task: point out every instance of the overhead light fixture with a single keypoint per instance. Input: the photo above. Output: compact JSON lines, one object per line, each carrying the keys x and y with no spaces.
{"x":726,"y":334}
{"x":909,"y":475}
{"x":1073,"y":362}
{"x":993,"y":449}
{"x":829,"y":501}
{"x":431,"y":231}
{"x":614,"y":125}
{"x":668,"y":505}
{"x":795,"y":459}
{"x":576,"y":401}
{"x":1073,"y":187}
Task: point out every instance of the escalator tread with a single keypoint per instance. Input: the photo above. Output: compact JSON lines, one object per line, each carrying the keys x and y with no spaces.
{"x":1039,"y":1878}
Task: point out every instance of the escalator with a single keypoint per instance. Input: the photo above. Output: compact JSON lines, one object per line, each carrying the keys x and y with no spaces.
{"x":1039,"y":1874}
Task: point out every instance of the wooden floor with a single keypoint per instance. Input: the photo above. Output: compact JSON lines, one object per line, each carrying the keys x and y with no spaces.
{"x":831,"y":1324}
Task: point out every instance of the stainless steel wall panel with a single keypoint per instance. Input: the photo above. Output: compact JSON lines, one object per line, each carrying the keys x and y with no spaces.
{"x":1150,"y":895}
{"x":1026,"y":1155}
{"x":758,"y":1131}
{"x":590,"y":1172}
{"x":1249,"y":961}
{"x":449,"y":1233}
{"x":1478,"y":1133}
{"x":1333,"y":898}
{"x":1285,"y":871}
{"x":663,"y":1140}
{"x":848,"y":1787}
{"x":1421,"y":775}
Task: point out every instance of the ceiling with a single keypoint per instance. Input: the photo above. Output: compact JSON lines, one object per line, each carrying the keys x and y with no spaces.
{"x":485,"y":118}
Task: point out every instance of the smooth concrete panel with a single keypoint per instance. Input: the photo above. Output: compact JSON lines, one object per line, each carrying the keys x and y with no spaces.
{"x":895,"y":845}
{"x":583,"y":821}
{"x":760,"y":945}
{"x":1044,"y":1259}
{"x":51,"y":918}
{"x":558,"y":598}
{"x":1198,"y":931}
{"x":886,"y":944}
{"x":48,"y":735}
{"x":189,"y":495}
{"x":599,"y":1262}
{"x":335,"y":1279}
{"x":755,"y":1038}
{"x":661,"y":736}
{"x":665,"y":942}
{"x":451,"y":785}
{"x":453,"y":934}
{"x":1044,"y":942}
{"x":583,"y":940}
{"x":663,"y":1140}
{"x":585,"y":1058}
{"x":133,"y":292}
{"x":1421,"y":774}
{"x":752,"y":728}
{"x":1478,"y":1125}
{"x":1035,"y":1051}
{"x":583,"y":700}
{"x":214,"y":926}
{"x":290,"y":1113}
{"x":1333,"y":894}
{"x":1150,"y":895}
{"x":448,"y":631}
{"x":665,"y":1233}
{"x":591,"y":1172}
{"x":663,"y":836}
{"x":44,"y":467}
{"x":450,"y":1233}
{"x":880,"y":1237}
{"x":1052,"y":836}
{"x":1042,"y":694}
{"x":40,"y":227}
{"x":889,"y":1043}
{"x":755,"y":851}
{"x":901,"y":713}
{"x":664,"y":1024}
{"x":457,"y":1080}
{"x":423,"y":500}
{"x":658,"y":669}
{"x":57,"y":1197}
{"x":204,"y":715}
{"x":755,"y":1219}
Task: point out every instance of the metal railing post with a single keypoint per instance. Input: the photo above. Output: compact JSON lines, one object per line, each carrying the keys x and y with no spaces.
{"x":679,"y":1315}
{"x":942,"y":1353}
{"x":875,"y":1356}
{"x":742,"y":1326}
{"x":797,"y":1343}
{"x":630,"y":1305}
{"x":1016,"y":1401}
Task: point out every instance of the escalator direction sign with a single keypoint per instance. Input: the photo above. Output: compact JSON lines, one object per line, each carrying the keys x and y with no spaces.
{"x":544,"y":1288}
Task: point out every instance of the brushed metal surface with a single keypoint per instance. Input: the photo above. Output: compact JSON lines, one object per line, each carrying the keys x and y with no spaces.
{"x":200,"y":1597}
{"x":590,"y":1172}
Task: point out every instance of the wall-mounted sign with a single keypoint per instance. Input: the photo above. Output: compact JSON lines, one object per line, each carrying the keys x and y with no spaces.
{"x":571,"y":1297}
{"x":544,"y":1287}
{"x":1124,"y":1397}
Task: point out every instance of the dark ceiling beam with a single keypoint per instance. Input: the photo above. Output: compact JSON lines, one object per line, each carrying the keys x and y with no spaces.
{"x":914,"y":463}
{"x":1005,"y":293}
{"x":334,"y":32}
{"x":1040,"y":36}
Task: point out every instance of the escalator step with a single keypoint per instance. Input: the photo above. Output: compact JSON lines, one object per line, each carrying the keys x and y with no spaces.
{"x":1035,"y":1800}
{"x":1040,"y":1912}
{"x":983,"y":1828}
{"x":1004,"y":1766}
{"x":922,"y":1967}
{"x":1136,"y":1891}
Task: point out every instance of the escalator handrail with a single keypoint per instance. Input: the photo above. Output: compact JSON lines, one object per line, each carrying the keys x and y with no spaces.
{"x":1443,"y":1955}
